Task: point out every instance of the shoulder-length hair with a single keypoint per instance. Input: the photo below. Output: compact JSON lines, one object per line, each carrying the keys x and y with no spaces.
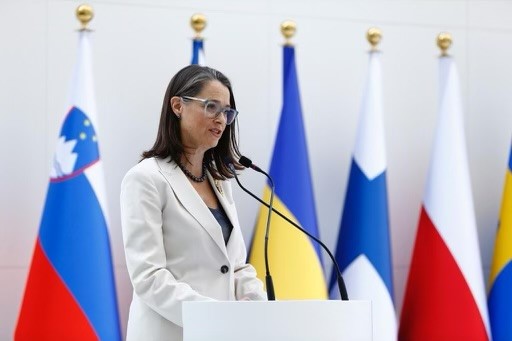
{"x":189,"y":81}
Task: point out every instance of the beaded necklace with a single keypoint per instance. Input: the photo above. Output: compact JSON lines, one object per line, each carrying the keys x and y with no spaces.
{"x":192,"y":176}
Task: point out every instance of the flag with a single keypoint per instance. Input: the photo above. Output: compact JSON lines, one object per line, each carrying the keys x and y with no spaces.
{"x":198,"y":51}
{"x":364,"y":252}
{"x":500,"y":294}
{"x":295,"y":262}
{"x":70,"y":292}
{"x":445,"y":294}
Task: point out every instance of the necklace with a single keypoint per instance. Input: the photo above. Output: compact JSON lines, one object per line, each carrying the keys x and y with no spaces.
{"x":192,"y":176}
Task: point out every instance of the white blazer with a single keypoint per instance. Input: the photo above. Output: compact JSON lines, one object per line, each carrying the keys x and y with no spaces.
{"x":175,"y":250}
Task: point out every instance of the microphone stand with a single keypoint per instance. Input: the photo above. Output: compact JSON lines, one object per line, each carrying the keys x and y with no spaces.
{"x":341,"y":283}
{"x":271,"y":296}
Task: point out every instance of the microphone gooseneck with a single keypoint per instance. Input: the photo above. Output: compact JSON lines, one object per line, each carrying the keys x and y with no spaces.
{"x":248,"y":163}
{"x":271,"y":296}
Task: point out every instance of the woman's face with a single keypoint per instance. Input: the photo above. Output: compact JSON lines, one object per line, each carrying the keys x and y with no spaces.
{"x":199,"y":132}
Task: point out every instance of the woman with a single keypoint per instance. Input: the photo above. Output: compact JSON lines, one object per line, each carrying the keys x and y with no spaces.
{"x":181,"y":233}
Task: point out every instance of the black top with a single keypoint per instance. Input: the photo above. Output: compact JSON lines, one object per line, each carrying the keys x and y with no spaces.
{"x":224,"y":222}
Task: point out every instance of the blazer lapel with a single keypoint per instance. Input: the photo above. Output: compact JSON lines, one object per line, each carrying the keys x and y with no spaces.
{"x":191,"y":200}
{"x":226,"y":200}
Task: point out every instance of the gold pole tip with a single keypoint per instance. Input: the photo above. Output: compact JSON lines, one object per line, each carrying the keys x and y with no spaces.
{"x":198,"y":23}
{"x":288,"y":29}
{"x":374,"y":36}
{"x":84,"y":13}
{"x":444,"y":41}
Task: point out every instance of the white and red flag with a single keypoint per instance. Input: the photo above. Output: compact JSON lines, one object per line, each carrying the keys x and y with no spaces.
{"x":445,"y":295}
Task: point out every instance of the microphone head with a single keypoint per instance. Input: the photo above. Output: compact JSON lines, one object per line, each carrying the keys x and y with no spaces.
{"x":246,"y":162}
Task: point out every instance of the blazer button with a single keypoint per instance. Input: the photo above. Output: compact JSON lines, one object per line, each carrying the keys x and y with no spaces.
{"x":224,"y":269}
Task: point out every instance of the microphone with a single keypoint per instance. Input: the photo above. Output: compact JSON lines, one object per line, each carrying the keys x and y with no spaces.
{"x":247,"y":163}
{"x":244,"y":161}
{"x":271,"y":296}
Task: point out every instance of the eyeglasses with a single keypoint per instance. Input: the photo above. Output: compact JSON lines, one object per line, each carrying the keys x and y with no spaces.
{"x":213,"y":109}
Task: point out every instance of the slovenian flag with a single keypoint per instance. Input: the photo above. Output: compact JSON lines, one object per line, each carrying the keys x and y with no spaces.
{"x":364,"y":251}
{"x":198,"y":51}
{"x":500,"y":294}
{"x":295,"y":262}
{"x":445,"y":294}
{"x":70,"y":292}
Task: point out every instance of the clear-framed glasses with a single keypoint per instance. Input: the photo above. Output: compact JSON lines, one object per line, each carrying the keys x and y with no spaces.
{"x":213,"y":108}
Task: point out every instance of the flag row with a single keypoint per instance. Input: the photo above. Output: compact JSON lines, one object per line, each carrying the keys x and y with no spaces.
{"x":445,"y":295}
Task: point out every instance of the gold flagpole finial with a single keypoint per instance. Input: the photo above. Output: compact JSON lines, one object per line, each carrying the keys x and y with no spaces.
{"x":374,"y":35}
{"x":444,"y":41}
{"x":288,"y":29}
{"x":198,"y":23}
{"x":84,"y":13}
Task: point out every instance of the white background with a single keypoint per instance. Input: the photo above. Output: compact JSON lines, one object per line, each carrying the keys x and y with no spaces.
{"x":139,"y":44}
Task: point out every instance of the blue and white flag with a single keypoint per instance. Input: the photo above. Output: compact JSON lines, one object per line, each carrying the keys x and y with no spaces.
{"x":198,"y":52}
{"x":363,"y":252}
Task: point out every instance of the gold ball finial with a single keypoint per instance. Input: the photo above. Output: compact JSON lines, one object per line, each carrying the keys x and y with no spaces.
{"x":374,"y":35}
{"x":444,"y":41}
{"x":288,"y":29}
{"x":198,"y":23}
{"x":84,"y":13}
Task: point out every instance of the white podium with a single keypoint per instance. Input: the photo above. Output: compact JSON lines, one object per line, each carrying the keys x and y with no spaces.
{"x":277,"y":320}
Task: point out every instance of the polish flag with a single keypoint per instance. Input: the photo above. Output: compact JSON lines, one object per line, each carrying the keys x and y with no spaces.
{"x":445,"y":296}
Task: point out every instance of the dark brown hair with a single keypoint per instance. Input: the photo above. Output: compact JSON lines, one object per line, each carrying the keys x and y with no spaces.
{"x":189,"y":81}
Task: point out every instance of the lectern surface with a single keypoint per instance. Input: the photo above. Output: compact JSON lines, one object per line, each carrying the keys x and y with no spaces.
{"x":278,"y":320}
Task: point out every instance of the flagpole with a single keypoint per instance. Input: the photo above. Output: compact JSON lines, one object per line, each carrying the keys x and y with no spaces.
{"x":198,"y":23}
{"x":288,"y":29}
{"x":84,"y":14}
{"x":374,"y":35}
{"x":444,"y":41}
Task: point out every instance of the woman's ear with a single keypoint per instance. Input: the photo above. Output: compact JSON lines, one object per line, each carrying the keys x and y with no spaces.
{"x":176,"y":106}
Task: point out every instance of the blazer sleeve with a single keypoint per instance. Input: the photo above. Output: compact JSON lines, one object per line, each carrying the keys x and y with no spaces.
{"x":247,"y":285}
{"x":141,"y":219}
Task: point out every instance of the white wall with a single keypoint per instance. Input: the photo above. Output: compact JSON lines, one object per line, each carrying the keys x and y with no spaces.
{"x":140,"y":44}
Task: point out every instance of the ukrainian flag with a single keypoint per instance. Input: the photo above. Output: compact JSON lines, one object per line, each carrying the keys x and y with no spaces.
{"x":500,"y":294}
{"x":295,"y":262}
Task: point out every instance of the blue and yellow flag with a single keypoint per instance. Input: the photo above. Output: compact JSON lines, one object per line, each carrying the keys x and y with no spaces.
{"x":295,"y":262}
{"x":500,"y":294}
